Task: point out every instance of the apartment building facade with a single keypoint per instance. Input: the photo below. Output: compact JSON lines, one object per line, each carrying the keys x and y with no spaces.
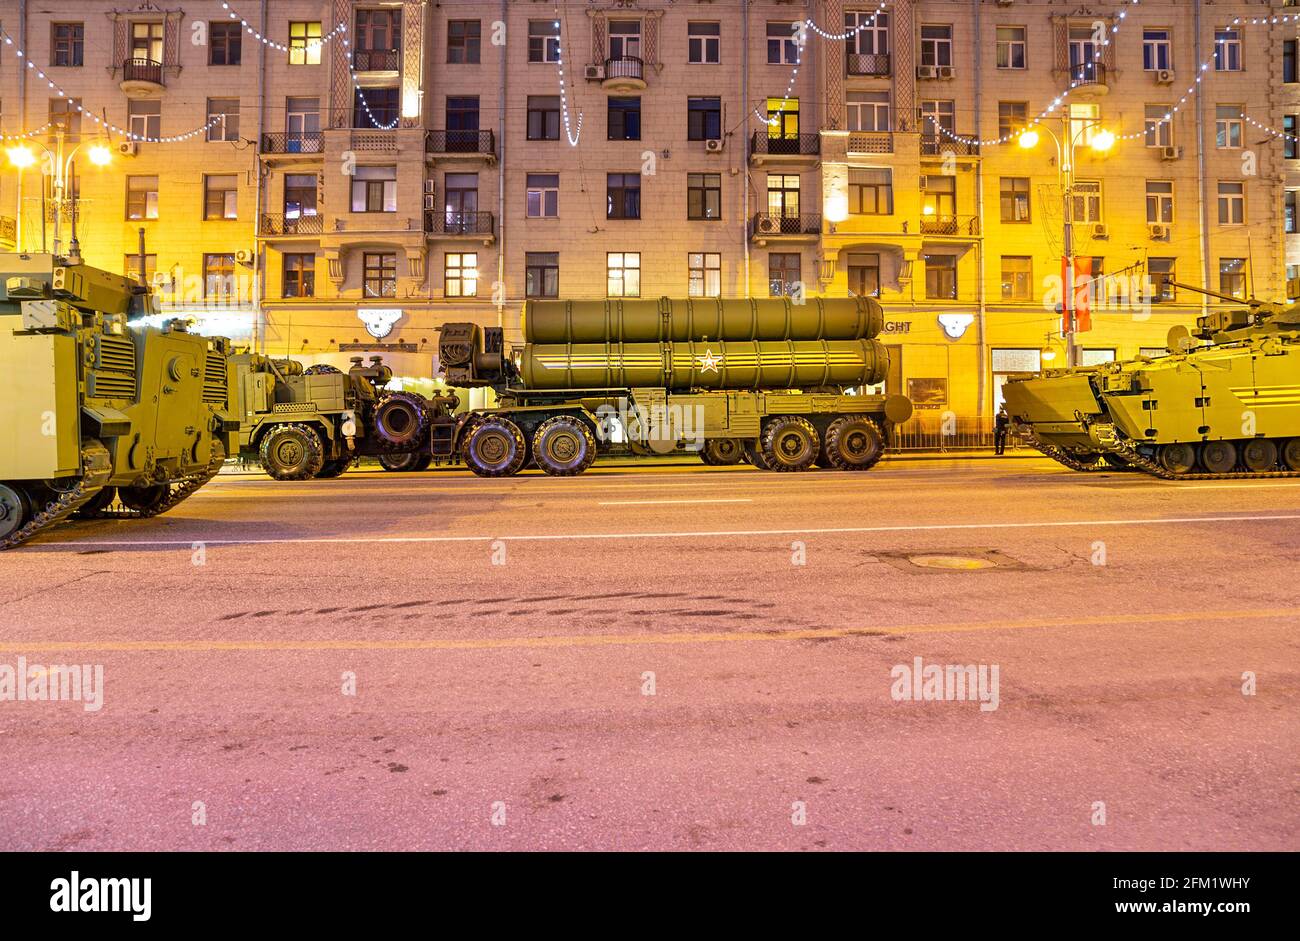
{"x":376,"y":169}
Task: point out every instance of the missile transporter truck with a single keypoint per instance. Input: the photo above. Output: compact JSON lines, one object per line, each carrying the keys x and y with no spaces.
{"x":767,"y":381}
{"x":99,"y":417}
{"x":316,"y":421}
{"x":1224,"y":403}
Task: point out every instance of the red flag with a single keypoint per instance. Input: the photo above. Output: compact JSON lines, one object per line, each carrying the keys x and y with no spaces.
{"x":1067,"y":296}
{"x":1082,"y":293}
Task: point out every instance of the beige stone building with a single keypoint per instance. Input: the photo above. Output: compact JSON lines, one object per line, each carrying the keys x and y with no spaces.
{"x":375,"y":169}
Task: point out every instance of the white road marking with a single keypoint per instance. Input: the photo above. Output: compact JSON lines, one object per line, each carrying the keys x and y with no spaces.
{"x":660,"y":502}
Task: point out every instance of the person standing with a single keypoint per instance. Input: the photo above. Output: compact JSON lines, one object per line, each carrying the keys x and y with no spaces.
{"x":1000,"y":424}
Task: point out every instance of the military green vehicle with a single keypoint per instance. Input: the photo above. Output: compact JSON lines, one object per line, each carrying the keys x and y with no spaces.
{"x":301,"y":423}
{"x":765,"y":380}
{"x":1224,"y":403}
{"x":99,"y":417}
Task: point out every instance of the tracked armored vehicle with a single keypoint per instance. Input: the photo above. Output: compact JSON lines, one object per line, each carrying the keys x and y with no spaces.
{"x":1224,"y":403}
{"x":99,"y":417}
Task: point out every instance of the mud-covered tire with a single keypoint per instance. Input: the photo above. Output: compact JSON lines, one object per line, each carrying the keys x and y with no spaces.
{"x":143,"y":499}
{"x":1259,"y":455}
{"x":1178,"y":458}
{"x":1218,"y":457}
{"x":723,"y":452}
{"x":563,"y":446}
{"x":334,"y":468}
{"x":854,"y":443}
{"x":292,"y":452}
{"x":790,"y":443}
{"x":402,"y":419}
{"x":494,"y":447}
{"x":15,"y":509}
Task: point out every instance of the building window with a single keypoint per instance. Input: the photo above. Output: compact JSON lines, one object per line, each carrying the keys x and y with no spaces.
{"x":1232,"y":204}
{"x":220,"y":196}
{"x":868,"y":34}
{"x":543,"y":117}
{"x":379,"y":274}
{"x":463,"y":38}
{"x":131,"y":268}
{"x":224,"y":113}
{"x":460,"y":274}
{"x":625,"y":39}
{"x":1011,"y":47}
{"x":940,"y":276}
{"x":379,"y":30}
{"x":782,"y":122}
{"x":1289,"y":221}
{"x":702,"y":42}
{"x":782,"y":44}
{"x":1096,"y":356}
{"x":703,"y":118}
{"x":147,"y":42}
{"x":783,"y":195}
{"x":1012,"y":116}
{"x":304,"y":43}
{"x":871,"y":191}
{"x":144,"y":117}
{"x":1007,"y":362}
{"x":1288,"y":61}
{"x":1159,"y":126}
{"x":783,"y":273}
{"x":1160,"y":202}
{"x":542,"y":274}
{"x":1227,"y":50}
{"x":1017,"y":277}
{"x":1084,"y":123}
{"x":299,"y":196}
{"x":864,"y":274}
{"x":1232,"y":277}
{"x":543,"y":41}
{"x":219,"y":276}
{"x":623,"y":274}
{"x":704,"y":196}
{"x":1015,"y":199}
{"x":302,"y":125}
{"x":936,"y":114}
{"x":939,"y":200}
{"x":299,"y":275}
{"x":1228,"y":126}
{"x":542,"y":198}
{"x":1086,"y":196}
{"x":1291,"y":140}
{"x":936,"y":45}
{"x":375,"y":108}
{"x":868,"y":110}
{"x":624,"y":119}
{"x":67,"y":44}
{"x":623,"y":196}
{"x":1157,"y":51}
{"x":142,"y":197}
{"x":460,"y":202}
{"x":705,"y":279}
{"x":462,"y":124}
{"x":374,"y":189}
{"x":225,"y":43}
{"x":1161,"y":273}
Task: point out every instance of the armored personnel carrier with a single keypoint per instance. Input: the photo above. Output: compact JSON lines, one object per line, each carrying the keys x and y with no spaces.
{"x":301,"y":423}
{"x":99,"y":417}
{"x":1224,"y":403}
{"x":766,"y":380}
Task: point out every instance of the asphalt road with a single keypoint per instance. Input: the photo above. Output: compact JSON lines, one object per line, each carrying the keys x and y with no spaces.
{"x":673,"y":657}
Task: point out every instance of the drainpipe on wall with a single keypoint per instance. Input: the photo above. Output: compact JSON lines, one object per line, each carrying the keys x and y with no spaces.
{"x":259,"y":199}
{"x":980,"y":297}
{"x":501,"y":179}
{"x":1202,"y":194}
{"x":744,"y":141}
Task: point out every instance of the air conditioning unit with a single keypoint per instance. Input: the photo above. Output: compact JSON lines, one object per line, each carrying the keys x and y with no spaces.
{"x":945,"y":72}
{"x":1170,"y":153}
{"x":245,"y":256}
{"x":428,"y":185}
{"x":713,"y":145}
{"x":1159,"y":231}
{"x":769,"y":225}
{"x":128,"y":148}
{"x":594,"y":73}
{"x":1164,"y":76}
{"x":1099,"y":231}
{"x":925,"y":71}
{"x":430,"y":201}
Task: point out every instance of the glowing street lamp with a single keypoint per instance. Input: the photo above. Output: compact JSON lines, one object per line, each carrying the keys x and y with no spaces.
{"x":21,"y":157}
{"x":1028,"y":139}
{"x":100,"y":155}
{"x":1102,"y":141}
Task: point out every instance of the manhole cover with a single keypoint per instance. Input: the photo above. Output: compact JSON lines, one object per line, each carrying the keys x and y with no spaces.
{"x":958,"y":562}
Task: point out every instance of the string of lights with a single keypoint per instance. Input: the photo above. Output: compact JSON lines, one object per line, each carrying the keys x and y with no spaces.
{"x":335,"y":33}
{"x":26,"y":135}
{"x":572,"y":136}
{"x":361,"y":95}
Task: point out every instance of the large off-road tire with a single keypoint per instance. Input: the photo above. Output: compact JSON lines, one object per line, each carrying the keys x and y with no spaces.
{"x":790,"y":443}
{"x":495,"y":448}
{"x":723,"y":452}
{"x":704,"y":456}
{"x":402,"y":419}
{"x":854,"y":443}
{"x":754,"y":455}
{"x":403,"y":461}
{"x":292,"y":452}
{"x":334,"y":468}
{"x":15,"y":509}
{"x":564,"y":446}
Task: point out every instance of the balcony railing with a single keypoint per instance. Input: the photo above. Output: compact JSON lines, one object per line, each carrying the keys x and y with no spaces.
{"x":940,"y":145}
{"x":293,"y":142}
{"x":377,"y":60}
{"x":625,"y":67}
{"x":774,"y":225}
{"x":142,"y":70}
{"x":455,"y":222}
{"x":279,"y":223}
{"x":874,"y":63}
{"x":871,"y":142}
{"x":459,"y":142}
{"x":950,"y":225}
{"x":790,"y":145}
{"x":1088,"y":73}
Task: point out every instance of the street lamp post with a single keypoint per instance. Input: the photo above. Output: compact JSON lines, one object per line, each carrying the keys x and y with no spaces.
{"x":21,"y":157}
{"x":1101,"y":142}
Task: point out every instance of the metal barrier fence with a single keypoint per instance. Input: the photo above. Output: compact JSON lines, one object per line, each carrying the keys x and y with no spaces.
{"x":945,"y":432}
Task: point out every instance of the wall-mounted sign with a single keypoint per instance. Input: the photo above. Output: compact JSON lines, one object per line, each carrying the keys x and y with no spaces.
{"x":379,"y":321}
{"x":954,"y":325}
{"x":897,"y":326}
{"x":928,"y":392}
{"x":379,"y":347}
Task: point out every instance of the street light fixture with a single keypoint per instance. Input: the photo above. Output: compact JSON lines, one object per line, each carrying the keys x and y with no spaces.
{"x":22,"y":157}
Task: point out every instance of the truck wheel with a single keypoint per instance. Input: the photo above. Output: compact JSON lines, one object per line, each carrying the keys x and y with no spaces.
{"x":853,"y":442}
{"x":334,"y":468}
{"x":292,"y":452}
{"x":15,"y":509}
{"x":1218,"y":457}
{"x":706,"y":458}
{"x":722,"y":452}
{"x":405,"y":461}
{"x":790,"y":443}
{"x":1291,"y":454}
{"x":401,"y":419}
{"x":1177,"y":458}
{"x":495,"y":448}
{"x":564,"y":446}
{"x":754,"y":455}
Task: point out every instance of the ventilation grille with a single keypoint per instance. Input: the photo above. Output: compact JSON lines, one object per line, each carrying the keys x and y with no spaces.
{"x":113,"y":374}
{"x":214,"y":378}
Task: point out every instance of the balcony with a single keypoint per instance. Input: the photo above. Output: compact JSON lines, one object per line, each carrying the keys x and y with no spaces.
{"x":941,"y":145}
{"x":771,"y":226}
{"x":787,"y":149}
{"x":1089,"y":79}
{"x":951,"y":226}
{"x":460,"y":143}
{"x":279,"y":225}
{"x":142,"y":77}
{"x":296,"y":142}
{"x":624,"y":74}
{"x":866,"y":64}
{"x":377,"y":60}
{"x":457,"y":224}
{"x":871,"y":142}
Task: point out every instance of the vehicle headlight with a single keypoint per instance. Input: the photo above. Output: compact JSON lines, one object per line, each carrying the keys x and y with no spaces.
{"x":349,"y":428}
